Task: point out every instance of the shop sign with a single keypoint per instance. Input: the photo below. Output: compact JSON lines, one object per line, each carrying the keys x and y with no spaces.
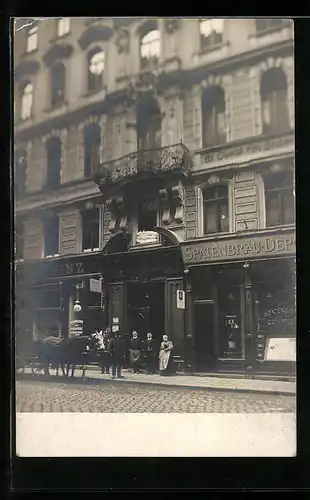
{"x":254,"y":148}
{"x":76,"y":328}
{"x":72,"y":268}
{"x":239,"y":248}
{"x":95,"y":285}
{"x":180,"y":299}
{"x":281,"y":349}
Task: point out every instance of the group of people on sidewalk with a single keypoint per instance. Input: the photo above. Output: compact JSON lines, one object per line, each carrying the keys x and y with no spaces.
{"x":117,"y":351}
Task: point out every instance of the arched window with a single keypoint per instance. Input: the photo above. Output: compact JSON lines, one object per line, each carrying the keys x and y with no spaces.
{"x":63,"y":26}
{"x":20,"y":171}
{"x":213,"y":116}
{"x":92,"y":145}
{"x":268,"y":24}
{"x":96,"y":63}
{"x":32,"y":39}
{"x":273,"y":92}
{"x":149,"y":128}
{"x":53,"y":152}
{"x":58,"y":84}
{"x":279,"y":199}
{"x":26,"y":101}
{"x":211,"y":32}
{"x":215,"y":209}
{"x":150,"y":49}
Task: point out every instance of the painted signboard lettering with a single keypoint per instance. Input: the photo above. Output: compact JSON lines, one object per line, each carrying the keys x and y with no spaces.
{"x":239,"y":248}
{"x":72,"y":268}
{"x":248,"y":149}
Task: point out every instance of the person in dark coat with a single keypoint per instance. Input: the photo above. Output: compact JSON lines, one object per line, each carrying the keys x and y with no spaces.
{"x":116,"y":349}
{"x":135,"y":352}
{"x":106,"y":357}
{"x":150,"y":353}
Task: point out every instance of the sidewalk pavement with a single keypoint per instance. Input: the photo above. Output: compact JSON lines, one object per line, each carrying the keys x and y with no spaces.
{"x":190,"y":382}
{"x":201,"y":382}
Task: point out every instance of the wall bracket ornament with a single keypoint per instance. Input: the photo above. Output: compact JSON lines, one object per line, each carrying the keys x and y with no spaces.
{"x":178,"y":199}
{"x":118,"y":219}
{"x":164,"y":200}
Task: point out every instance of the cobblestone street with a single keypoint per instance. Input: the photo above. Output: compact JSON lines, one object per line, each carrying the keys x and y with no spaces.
{"x":108,"y":397}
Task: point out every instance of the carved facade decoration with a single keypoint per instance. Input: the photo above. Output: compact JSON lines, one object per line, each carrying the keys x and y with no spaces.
{"x":165,"y":205}
{"x":123,"y":41}
{"x":26,"y":68}
{"x":95,"y":33}
{"x":178,"y":201}
{"x":147,"y":238}
{"x":118,"y":220}
{"x":58,"y":51}
{"x":171,"y":25}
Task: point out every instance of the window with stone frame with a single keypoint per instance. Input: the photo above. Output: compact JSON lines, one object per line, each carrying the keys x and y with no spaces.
{"x":150,"y":49}
{"x":279,"y":198}
{"x":211,"y":33}
{"x":213,"y":116}
{"x":32,"y":39}
{"x":53,"y":161}
{"x":90,"y":229}
{"x":215,"y":209}
{"x":19,"y":239}
{"x":96,"y":65}
{"x":26,"y":100}
{"x":274,"y":102}
{"x":92,"y":148}
{"x":58,"y":84}
{"x":20,"y":172}
{"x":51,"y":235}
{"x":263,"y":25}
{"x":63,"y":26}
{"x":147,"y":214}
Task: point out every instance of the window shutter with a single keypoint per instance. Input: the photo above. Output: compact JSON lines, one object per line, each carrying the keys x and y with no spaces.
{"x":33,"y":239}
{"x":70,"y":170}
{"x":80,"y":152}
{"x":242,"y":113}
{"x":35,"y":167}
{"x":69,"y":233}
{"x":188,"y":119}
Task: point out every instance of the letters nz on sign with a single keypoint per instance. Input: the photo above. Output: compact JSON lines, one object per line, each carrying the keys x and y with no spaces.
{"x":240,"y":248}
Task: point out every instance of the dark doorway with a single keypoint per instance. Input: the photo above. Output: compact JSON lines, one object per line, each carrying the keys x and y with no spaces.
{"x":146,"y":308}
{"x":204,"y":335}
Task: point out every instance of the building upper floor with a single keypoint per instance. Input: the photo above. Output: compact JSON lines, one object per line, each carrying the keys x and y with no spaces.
{"x":227,"y":203}
{"x":220,"y":120}
{"x":64,"y":64}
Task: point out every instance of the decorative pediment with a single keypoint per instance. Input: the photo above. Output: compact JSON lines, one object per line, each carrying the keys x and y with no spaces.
{"x":95,"y":34}
{"x":58,"y":51}
{"x":26,"y":68}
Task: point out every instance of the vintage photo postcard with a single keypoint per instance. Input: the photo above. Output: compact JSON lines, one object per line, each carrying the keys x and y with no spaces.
{"x":154,"y":203}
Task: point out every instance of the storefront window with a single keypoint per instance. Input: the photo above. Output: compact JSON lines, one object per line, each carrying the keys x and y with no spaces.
{"x":280,"y":201}
{"x":215,"y":213}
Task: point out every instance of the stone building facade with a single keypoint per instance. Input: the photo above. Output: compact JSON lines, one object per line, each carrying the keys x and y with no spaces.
{"x":155,"y":156}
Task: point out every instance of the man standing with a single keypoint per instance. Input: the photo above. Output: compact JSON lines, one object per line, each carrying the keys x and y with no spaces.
{"x":116,"y":348}
{"x":150,"y":353}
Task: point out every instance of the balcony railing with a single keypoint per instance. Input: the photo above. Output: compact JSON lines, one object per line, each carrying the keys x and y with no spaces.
{"x":143,"y":164}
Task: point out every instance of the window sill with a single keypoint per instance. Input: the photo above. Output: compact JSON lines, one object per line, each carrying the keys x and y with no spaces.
{"x":90,"y":250}
{"x":51,"y":256}
{"x":57,"y":107}
{"x":259,"y":34}
{"x":90,"y":93}
{"x":59,"y":38}
{"x":281,"y":226}
{"x":28,"y":53}
{"x":212,"y":48}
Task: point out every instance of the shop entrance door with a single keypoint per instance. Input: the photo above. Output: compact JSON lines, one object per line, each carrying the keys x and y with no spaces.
{"x":231,"y":328}
{"x":204,"y":344}
{"x":146,"y":308}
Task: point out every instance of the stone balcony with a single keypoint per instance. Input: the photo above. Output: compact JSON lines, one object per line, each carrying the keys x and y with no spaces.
{"x":145,"y":164}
